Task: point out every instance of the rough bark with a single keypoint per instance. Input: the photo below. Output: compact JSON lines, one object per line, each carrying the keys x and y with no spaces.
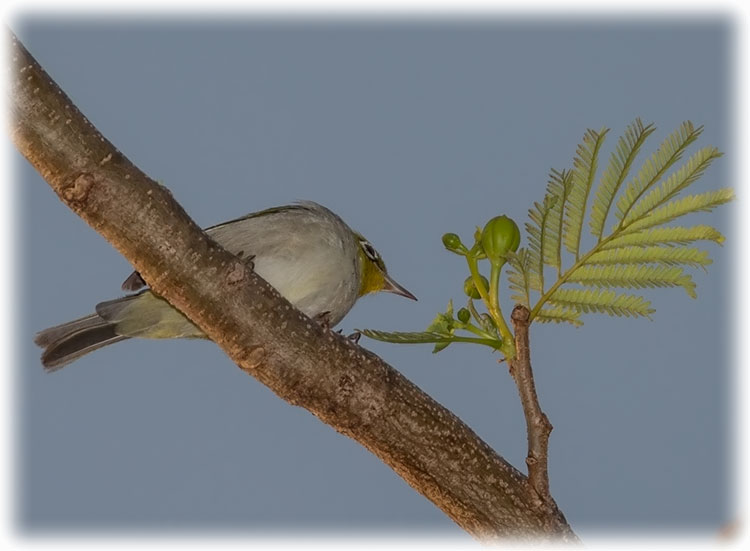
{"x":344,"y":385}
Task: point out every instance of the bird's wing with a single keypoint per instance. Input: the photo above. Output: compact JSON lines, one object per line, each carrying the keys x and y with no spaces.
{"x":135,"y":282}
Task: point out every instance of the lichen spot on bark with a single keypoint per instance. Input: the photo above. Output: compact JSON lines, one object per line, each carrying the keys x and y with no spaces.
{"x":252,"y":358}
{"x":79,"y":189}
{"x":345,"y":385}
{"x":236,"y":273}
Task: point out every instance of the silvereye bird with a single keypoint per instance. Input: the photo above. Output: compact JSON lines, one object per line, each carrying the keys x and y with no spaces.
{"x":308,"y":253}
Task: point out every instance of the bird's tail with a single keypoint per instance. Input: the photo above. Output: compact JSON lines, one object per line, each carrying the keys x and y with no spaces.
{"x":69,"y":341}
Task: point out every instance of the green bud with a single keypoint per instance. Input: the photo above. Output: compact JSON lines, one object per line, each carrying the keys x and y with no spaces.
{"x":452,"y":242}
{"x":500,"y":236}
{"x":463,"y":315}
{"x":471,"y":290}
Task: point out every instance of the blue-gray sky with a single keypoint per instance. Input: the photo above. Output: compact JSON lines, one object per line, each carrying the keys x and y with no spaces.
{"x":407,"y":130}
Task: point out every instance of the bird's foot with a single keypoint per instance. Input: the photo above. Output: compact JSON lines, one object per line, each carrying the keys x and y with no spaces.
{"x":324,"y":319}
{"x":247,"y":260}
{"x":354,"y":337}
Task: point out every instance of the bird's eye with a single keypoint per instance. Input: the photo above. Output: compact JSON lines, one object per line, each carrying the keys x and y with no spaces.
{"x":370,"y":251}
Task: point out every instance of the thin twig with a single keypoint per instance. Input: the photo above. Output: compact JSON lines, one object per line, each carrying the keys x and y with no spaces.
{"x":538,"y":427}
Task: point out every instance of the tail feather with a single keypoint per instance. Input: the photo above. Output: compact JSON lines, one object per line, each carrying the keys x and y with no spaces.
{"x":48,"y":336}
{"x":69,"y":341}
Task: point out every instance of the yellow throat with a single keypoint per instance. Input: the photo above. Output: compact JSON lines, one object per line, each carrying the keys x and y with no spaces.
{"x":375,"y":277}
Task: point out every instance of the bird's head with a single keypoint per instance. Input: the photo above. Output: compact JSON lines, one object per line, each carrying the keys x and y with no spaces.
{"x":375,"y":276}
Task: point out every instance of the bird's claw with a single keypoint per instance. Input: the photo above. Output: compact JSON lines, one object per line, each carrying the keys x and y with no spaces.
{"x":248,"y":261}
{"x":324,"y":319}
{"x":354,"y":337}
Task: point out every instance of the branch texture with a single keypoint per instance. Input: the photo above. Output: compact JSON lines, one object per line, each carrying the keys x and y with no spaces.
{"x":344,"y":385}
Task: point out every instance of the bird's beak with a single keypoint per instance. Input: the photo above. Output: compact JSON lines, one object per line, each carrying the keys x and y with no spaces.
{"x":392,"y":287}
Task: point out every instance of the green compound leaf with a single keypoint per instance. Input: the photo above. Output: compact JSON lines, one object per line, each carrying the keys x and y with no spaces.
{"x":620,"y":162}
{"x":602,"y":300}
{"x":443,"y":322}
{"x":635,"y":276}
{"x":558,"y":189}
{"x":639,"y":252}
{"x":669,"y":152}
{"x":520,"y":277}
{"x":703,"y":202}
{"x":665,"y":236}
{"x":584,"y":173}
{"x":444,"y":325}
{"x":413,"y":337}
{"x":644,"y":255}
{"x":559,"y":315}
{"x":538,"y":238}
{"x":426,"y":337}
{"x":686,"y":175}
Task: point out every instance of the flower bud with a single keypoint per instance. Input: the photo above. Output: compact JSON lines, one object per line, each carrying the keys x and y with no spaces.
{"x":463,"y":315}
{"x":471,"y":290}
{"x":500,"y":236}
{"x":452,"y":242}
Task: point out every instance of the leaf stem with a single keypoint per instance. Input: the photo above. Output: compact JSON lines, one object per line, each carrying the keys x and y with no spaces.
{"x":493,"y":306}
{"x":474,"y":329}
{"x":473,"y":310}
{"x":492,"y":343}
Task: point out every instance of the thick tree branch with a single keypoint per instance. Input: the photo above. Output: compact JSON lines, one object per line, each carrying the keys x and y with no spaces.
{"x":344,"y":385}
{"x":538,"y":427}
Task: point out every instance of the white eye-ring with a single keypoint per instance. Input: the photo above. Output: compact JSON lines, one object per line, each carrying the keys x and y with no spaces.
{"x":370,"y":251}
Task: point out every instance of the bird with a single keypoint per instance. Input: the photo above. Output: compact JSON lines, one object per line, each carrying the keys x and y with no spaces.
{"x":304,"y":250}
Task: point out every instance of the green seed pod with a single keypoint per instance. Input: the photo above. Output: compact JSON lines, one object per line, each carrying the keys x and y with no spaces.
{"x":463,"y":315}
{"x":452,"y":242}
{"x":499,"y":236}
{"x":471,"y":290}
